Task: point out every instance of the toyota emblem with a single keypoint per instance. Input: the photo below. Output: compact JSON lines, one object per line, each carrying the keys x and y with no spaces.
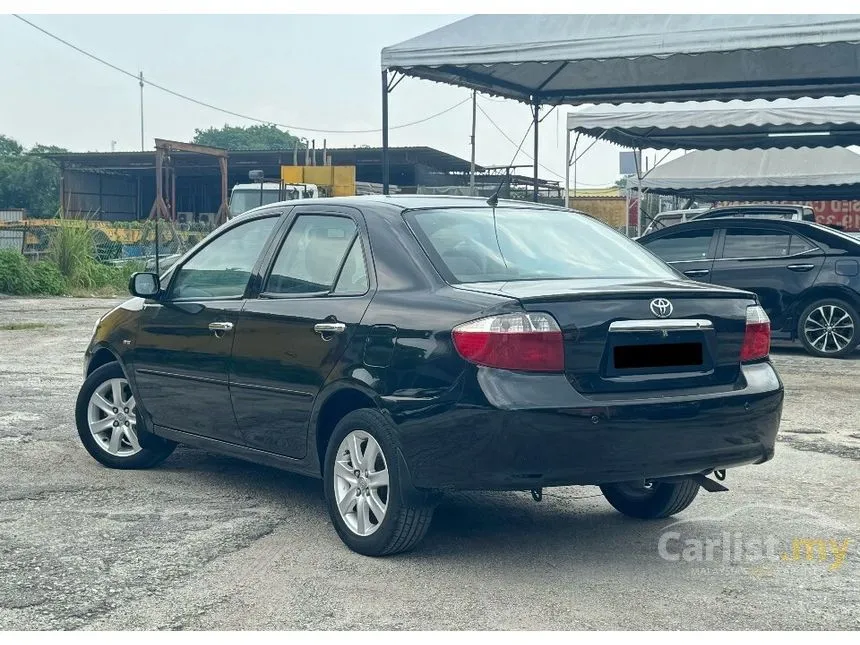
{"x":661,"y":308}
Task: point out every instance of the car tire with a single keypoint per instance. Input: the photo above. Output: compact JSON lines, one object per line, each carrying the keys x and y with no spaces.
{"x":406,"y":513}
{"x":660,"y":499}
{"x":833,"y":343}
{"x":111,"y":431}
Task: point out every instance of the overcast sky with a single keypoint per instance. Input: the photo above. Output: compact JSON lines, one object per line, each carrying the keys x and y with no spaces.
{"x":308,"y":71}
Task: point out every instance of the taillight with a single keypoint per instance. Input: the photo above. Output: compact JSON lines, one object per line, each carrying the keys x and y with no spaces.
{"x":757,"y":335}
{"x":529,"y":342}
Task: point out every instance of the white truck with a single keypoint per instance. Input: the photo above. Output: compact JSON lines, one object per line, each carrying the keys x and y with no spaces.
{"x":244,"y":197}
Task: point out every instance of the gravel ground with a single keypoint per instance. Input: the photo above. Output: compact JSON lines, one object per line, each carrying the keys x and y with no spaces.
{"x":208,"y":542}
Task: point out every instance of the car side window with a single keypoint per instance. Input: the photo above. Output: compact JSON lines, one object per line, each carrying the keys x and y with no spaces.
{"x":353,"y":276}
{"x":312,"y":255}
{"x":222,"y":268}
{"x":800,"y":245}
{"x":683,"y":246}
{"x":746,"y":243}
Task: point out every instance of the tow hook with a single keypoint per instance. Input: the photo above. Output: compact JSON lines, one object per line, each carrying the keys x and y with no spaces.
{"x":720,"y":474}
{"x":537,"y":494}
{"x":709,"y":484}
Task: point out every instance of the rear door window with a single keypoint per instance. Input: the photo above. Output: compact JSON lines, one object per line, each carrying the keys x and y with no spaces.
{"x":313,"y":254}
{"x":747,"y":243}
{"x":683,"y":246}
{"x":800,"y":245}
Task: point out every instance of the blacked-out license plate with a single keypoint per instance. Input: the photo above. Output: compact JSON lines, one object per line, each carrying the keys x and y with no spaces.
{"x":658,"y":355}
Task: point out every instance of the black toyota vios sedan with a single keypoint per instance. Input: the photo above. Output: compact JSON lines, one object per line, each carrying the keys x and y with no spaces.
{"x":400,"y":347}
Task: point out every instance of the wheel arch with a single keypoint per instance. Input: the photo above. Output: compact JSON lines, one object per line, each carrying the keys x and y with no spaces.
{"x":821,"y":292}
{"x":335,"y":402}
{"x":102,"y":355}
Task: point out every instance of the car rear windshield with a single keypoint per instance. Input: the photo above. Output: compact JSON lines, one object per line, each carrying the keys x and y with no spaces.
{"x":473,"y":245}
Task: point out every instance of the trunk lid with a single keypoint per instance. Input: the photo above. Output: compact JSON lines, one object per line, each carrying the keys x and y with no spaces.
{"x":615,"y":343}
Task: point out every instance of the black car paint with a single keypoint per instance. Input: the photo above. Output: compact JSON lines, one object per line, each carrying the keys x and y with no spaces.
{"x":783,"y":284}
{"x":460,"y":425}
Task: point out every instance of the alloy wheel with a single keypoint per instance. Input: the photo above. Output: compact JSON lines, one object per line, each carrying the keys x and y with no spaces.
{"x":361,"y":483}
{"x":636,"y":490}
{"x":829,"y":328}
{"x":112,"y":420}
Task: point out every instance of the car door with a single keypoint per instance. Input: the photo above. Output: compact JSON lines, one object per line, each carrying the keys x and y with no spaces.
{"x":689,"y":250}
{"x":773,"y":261}
{"x":183,"y":346}
{"x":293,"y":333}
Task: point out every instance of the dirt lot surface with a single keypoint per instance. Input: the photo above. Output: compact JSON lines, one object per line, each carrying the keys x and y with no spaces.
{"x":208,"y":542}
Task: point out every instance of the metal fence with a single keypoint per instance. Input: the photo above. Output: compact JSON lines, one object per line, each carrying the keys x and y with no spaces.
{"x":112,"y":242}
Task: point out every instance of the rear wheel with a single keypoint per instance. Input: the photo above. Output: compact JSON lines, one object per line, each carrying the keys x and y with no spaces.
{"x":109,"y":425}
{"x":829,"y":328}
{"x":366,"y":490}
{"x":652,"y":501}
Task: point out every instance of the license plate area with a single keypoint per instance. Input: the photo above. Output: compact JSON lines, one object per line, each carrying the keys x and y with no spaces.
{"x":659,"y":349}
{"x":658,"y":355}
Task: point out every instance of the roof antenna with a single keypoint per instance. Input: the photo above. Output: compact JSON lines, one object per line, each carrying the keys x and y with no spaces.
{"x":493,"y":200}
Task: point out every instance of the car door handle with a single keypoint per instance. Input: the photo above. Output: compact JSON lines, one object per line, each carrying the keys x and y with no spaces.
{"x":800,"y":267}
{"x":330,"y":328}
{"x":219,"y":328}
{"x":693,"y":272}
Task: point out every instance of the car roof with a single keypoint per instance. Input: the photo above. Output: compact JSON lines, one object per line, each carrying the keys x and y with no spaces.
{"x":759,"y":207}
{"x":409,"y":202}
{"x":707,"y":222}
{"x":680,"y":211}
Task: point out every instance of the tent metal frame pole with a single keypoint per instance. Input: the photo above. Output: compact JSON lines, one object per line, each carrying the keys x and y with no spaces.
{"x":569,"y":161}
{"x":627,"y":207}
{"x":385,"y":179}
{"x":566,"y":168}
{"x":536,"y":122}
{"x":638,"y":160}
{"x":472,"y":140}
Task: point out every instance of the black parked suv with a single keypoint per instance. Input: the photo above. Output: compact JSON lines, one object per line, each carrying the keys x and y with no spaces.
{"x":400,"y":347}
{"x":806,"y":276}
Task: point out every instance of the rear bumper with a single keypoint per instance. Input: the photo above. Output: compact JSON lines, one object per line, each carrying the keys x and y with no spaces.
{"x":536,"y":430}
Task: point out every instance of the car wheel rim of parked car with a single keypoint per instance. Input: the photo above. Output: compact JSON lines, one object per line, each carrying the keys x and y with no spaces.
{"x":829,"y":328}
{"x":361,"y":483}
{"x":636,"y":491}
{"x":112,"y":420}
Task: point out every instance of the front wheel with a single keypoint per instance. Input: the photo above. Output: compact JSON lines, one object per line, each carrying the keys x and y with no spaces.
{"x":829,"y":328}
{"x":365,"y":488}
{"x":652,"y":501}
{"x":108,"y":422}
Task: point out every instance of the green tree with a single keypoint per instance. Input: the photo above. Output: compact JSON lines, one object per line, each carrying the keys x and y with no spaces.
{"x":28,"y":180}
{"x":254,"y":137}
{"x":9,"y":147}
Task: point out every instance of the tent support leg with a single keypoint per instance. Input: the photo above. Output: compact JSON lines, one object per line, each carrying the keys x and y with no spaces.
{"x":566,"y":168}
{"x":639,"y":211}
{"x":535,"y":114}
{"x":385,"y":132}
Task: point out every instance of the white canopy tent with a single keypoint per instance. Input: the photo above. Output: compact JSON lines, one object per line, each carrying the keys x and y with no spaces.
{"x":578,"y":59}
{"x":723,"y":126}
{"x":758,"y":175}
{"x":712,"y":125}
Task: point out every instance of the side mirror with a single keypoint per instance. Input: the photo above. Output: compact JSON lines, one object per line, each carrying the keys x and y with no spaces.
{"x":144,"y":285}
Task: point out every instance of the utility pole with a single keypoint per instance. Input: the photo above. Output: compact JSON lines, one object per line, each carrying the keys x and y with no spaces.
{"x":472,"y":169}
{"x":142,"y":148}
